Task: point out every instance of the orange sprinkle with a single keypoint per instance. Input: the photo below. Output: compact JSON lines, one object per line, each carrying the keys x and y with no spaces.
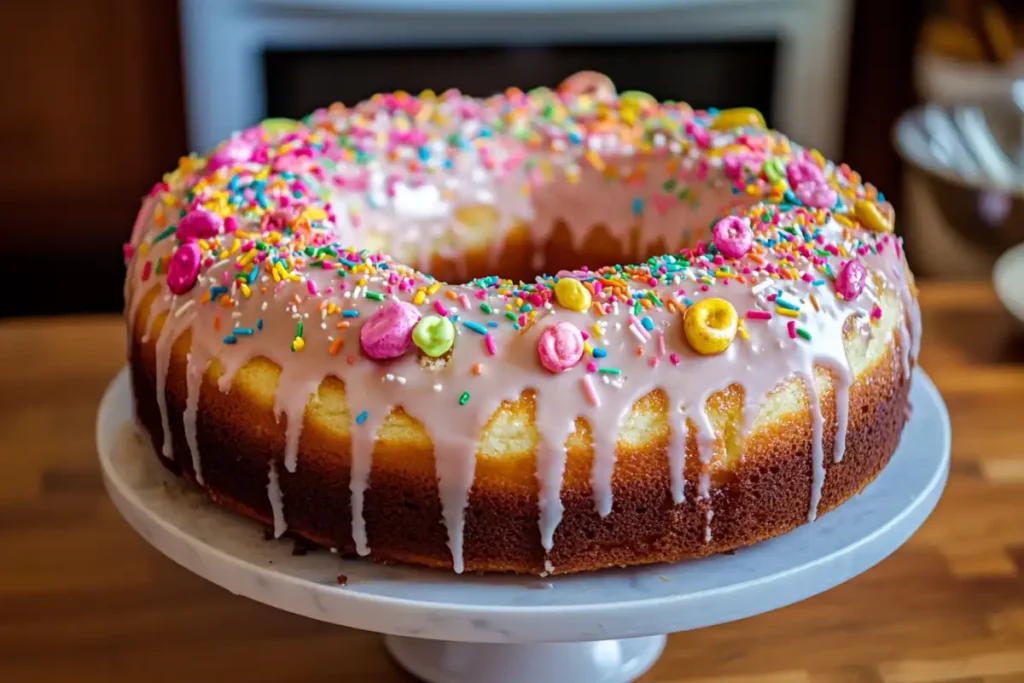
{"x":263,"y":289}
{"x":755,"y":258}
{"x":205,"y":298}
{"x":336,"y":346}
{"x":477,"y":369}
{"x":814,"y":302}
{"x":451,"y":294}
{"x":225,"y":301}
{"x":216,"y":324}
{"x":342,"y":325}
{"x":639,"y":351}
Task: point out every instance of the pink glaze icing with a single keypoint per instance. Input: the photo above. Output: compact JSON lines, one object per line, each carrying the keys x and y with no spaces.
{"x":294,"y":280}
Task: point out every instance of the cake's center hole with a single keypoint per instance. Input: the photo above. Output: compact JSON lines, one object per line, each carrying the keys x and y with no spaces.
{"x":481,"y":244}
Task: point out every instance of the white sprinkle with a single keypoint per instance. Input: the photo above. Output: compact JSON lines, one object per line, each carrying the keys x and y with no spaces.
{"x":184,"y":308}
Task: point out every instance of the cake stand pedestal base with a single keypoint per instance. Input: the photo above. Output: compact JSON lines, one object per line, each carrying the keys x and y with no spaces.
{"x":601,"y":661}
{"x":598,"y":627}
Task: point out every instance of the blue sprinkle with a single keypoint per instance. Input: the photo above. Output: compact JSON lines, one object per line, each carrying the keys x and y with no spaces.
{"x":599,"y":353}
{"x":688,"y":302}
{"x":526,"y":308}
{"x":350,"y":264}
{"x":785,"y":304}
{"x":217,"y":291}
{"x":361,"y":417}
{"x":818,"y":283}
{"x":230,"y":339}
{"x":253,"y":274}
{"x":638,"y":206}
{"x":245,"y":331}
{"x":351,"y":313}
{"x":647,"y":323}
{"x":424,"y":153}
{"x":259,"y":324}
{"x":491,"y":323}
{"x":476,"y":327}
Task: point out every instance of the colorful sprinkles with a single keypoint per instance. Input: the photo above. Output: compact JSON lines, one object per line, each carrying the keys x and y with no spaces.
{"x":258,"y":216}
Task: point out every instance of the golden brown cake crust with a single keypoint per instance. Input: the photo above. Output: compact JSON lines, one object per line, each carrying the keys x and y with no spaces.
{"x":764,"y":495}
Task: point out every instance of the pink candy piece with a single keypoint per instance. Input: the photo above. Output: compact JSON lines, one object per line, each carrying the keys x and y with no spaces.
{"x":733,"y":237}
{"x":234,"y":151}
{"x":199,"y":224}
{"x":388,"y":332}
{"x":850,"y":279}
{"x":799,"y":172}
{"x":560,"y":347}
{"x":816,"y":194}
{"x":183,"y":270}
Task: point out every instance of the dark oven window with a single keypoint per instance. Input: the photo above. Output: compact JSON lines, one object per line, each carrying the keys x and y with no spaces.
{"x":705,"y":74}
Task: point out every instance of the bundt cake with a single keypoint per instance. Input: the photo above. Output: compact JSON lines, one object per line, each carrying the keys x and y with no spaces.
{"x":543,"y":332}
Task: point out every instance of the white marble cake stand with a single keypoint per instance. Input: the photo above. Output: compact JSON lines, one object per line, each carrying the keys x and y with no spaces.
{"x":603,"y":627}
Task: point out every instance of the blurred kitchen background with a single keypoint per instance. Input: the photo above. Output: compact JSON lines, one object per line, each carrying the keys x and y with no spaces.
{"x":101,"y":97}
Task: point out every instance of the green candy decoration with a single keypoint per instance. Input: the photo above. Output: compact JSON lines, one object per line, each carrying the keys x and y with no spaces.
{"x":434,"y":335}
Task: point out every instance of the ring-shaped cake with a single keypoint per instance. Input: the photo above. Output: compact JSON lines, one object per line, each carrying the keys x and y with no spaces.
{"x":290,"y":354}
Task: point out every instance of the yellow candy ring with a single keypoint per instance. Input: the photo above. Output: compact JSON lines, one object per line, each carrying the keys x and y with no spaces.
{"x":571,"y":294}
{"x":741,"y":117}
{"x":710,"y":326}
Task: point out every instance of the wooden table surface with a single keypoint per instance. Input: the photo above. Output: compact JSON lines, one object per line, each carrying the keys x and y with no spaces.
{"x":82,"y":598}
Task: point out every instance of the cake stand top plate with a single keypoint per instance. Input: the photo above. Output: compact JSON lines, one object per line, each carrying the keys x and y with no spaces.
{"x":230,"y":551}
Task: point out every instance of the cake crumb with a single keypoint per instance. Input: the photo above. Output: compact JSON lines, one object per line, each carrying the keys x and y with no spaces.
{"x":342,"y":580}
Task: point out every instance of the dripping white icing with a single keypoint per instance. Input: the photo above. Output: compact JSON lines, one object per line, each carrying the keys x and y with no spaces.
{"x":363,"y":438}
{"x":276,"y":499}
{"x":817,"y":448}
{"x":677,"y":453}
{"x":173,"y":326}
{"x":294,"y":391}
{"x":555,"y":428}
{"x":195,"y":367}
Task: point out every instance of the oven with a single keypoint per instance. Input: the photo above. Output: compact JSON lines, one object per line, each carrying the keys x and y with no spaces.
{"x":246,"y":60}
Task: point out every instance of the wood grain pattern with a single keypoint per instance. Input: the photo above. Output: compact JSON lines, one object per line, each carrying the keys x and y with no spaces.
{"x":82,"y":598}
